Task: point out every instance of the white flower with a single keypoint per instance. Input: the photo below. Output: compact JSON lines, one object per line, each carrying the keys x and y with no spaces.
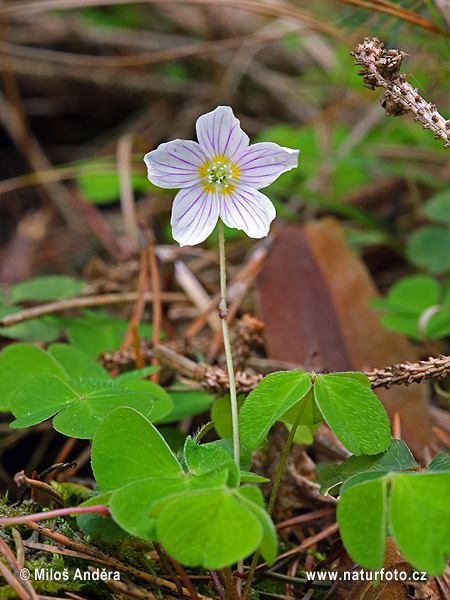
{"x":219,"y":176}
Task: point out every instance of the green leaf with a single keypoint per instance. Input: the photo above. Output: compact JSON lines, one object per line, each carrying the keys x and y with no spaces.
{"x":221,"y":415}
{"x":102,"y":187}
{"x":329,"y":477}
{"x":354,"y":413}
{"x":188,"y":403}
{"x":21,"y":362}
{"x":397,"y":457}
{"x":402,"y":323}
{"x":270,"y":400}
{"x":131,"y":506}
{"x":438,"y":208}
{"x":35,"y":330}
{"x":361,"y":515}
{"x":303,"y":433}
{"x":97,"y":332}
{"x":420,"y":519}
{"x":162,"y":402}
{"x":413,"y":294}
{"x":174,"y":437}
{"x":249,"y":477}
{"x":135,"y":374}
{"x":80,"y":405}
{"x":99,"y":526}
{"x":245,"y":454}
{"x":440,"y":463}
{"x":128,"y":448}
{"x":77,"y":363}
{"x":50,"y":287}
{"x":254,"y":502}
{"x":208,"y":528}
{"x":356,"y":375}
{"x":204,"y":458}
{"x":429,"y":247}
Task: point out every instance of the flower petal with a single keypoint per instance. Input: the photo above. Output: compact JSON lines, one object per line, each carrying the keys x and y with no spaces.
{"x":194,"y":215}
{"x":220,"y":134}
{"x":260,"y":164}
{"x":247,"y":209}
{"x":175,"y":164}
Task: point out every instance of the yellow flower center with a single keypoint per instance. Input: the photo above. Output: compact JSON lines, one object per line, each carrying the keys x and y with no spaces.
{"x":218,"y":175}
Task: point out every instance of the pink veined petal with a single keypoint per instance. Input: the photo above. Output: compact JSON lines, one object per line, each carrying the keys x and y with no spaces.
{"x":175,"y":164}
{"x":220,"y":133}
{"x":194,"y":215}
{"x":247,"y":209}
{"x":260,"y":164}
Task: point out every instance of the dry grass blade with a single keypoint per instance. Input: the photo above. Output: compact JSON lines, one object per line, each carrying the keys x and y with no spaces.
{"x":7,"y":553}
{"x":13,"y":582}
{"x":27,"y":7}
{"x":126,"y":589}
{"x":146,"y":58}
{"x":389,"y":8}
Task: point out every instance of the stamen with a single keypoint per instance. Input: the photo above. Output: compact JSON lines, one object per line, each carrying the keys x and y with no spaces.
{"x":219,"y":175}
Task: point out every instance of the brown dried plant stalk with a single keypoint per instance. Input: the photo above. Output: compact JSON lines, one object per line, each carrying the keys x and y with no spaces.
{"x":381,"y":68}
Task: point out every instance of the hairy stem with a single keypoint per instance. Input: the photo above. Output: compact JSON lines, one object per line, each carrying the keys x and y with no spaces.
{"x":226,"y":342}
{"x":276,"y":484}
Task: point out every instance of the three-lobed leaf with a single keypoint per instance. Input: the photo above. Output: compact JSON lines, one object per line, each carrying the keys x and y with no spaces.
{"x":270,"y":400}
{"x":419,"y":515}
{"x":80,"y":405}
{"x":208,"y":528}
{"x":412,"y":506}
{"x":128,"y":448}
{"x":353,"y":412}
{"x":361,"y":515}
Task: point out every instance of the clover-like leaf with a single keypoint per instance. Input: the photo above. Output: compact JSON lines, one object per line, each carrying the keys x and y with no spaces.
{"x":80,"y":405}
{"x":21,"y":362}
{"x":77,"y":363}
{"x":36,"y":330}
{"x":99,"y":526}
{"x":251,"y":497}
{"x":353,"y":412}
{"x":48,"y":287}
{"x":208,"y":528}
{"x":397,"y":457}
{"x":361,"y":515}
{"x":204,"y":458}
{"x":221,"y":415}
{"x":429,"y":247}
{"x":128,"y":448}
{"x":270,"y":400}
{"x":420,"y":519}
{"x":440,"y":463}
{"x":133,"y":506}
{"x":96,"y":332}
{"x":162,"y":402}
{"x":187,"y":403}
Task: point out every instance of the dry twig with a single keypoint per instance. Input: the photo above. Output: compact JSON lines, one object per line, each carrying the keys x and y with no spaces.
{"x":381,"y":68}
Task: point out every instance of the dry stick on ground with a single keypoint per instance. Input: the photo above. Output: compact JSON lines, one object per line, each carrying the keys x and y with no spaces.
{"x":215,"y":379}
{"x":74,"y":303}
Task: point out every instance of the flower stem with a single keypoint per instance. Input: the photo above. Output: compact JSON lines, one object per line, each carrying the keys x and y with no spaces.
{"x":226,"y":342}
{"x":276,"y":484}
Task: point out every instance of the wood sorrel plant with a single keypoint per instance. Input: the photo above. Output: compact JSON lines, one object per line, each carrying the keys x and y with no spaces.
{"x":197,"y":507}
{"x":219,"y":177}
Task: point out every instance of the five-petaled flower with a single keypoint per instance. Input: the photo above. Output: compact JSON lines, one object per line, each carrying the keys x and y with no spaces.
{"x":219,"y":176}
